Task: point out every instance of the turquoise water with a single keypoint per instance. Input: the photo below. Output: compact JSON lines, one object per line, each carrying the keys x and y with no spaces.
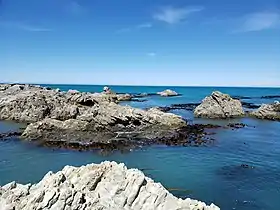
{"x":211,"y":174}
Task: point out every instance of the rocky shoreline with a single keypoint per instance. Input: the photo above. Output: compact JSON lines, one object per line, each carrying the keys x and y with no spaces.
{"x":90,"y":120}
{"x":87,"y":121}
{"x":95,"y":186}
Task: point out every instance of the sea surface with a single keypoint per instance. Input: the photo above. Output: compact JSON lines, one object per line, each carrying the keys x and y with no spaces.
{"x":208,"y":173}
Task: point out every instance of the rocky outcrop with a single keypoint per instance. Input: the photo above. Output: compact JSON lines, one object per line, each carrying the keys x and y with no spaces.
{"x":219,"y":105}
{"x":105,"y":186}
{"x":82,"y":118}
{"x":27,"y":103}
{"x":268,"y":111}
{"x":167,"y":93}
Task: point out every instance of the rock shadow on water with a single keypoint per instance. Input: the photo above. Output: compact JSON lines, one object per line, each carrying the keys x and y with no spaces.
{"x":238,"y":172}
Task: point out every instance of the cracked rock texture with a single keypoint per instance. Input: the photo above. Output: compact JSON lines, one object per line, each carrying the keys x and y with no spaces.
{"x":219,"y":105}
{"x":268,"y":111}
{"x":29,"y":103}
{"x":104,"y":186}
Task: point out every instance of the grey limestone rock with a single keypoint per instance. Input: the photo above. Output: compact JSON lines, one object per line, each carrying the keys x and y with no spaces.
{"x":219,"y":105}
{"x":268,"y":111}
{"x":96,"y":186}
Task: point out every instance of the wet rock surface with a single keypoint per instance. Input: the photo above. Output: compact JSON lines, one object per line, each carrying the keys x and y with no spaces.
{"x":257,"y":97}
{"x":250,"y":105}
{"x":7,"y":135}
{"x":268,"y":111}
{"x":96,"y":186}
{"x":219,"y":105}
{"x":188,"y":107}
{"x":82,"y":136}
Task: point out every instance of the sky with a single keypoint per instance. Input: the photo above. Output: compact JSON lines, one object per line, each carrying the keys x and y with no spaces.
{"x":141,"y":42}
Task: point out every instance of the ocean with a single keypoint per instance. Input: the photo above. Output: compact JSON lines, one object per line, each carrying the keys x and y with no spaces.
{"x":212,"y":173}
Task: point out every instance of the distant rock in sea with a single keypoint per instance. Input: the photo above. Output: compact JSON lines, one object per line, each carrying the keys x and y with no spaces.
{"x":104,"y":186}
{"x":167,"y":93}
{"x":219,"y":105}
{"x":268,"y":111}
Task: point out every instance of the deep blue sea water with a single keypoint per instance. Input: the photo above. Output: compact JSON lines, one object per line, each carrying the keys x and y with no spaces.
{"x":211,"y":174}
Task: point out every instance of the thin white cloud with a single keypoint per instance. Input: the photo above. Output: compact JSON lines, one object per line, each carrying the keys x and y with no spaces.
{"x":259,"y":21}
{"x":75,"y":8}
{"x":173,"y":15}
{"x":151,"y":54}
{"x":23,"y":26}
{"x":145,"y":25}
{"x":137,"y":27}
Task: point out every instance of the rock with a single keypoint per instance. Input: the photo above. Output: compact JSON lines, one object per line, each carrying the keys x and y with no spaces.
{"x":188,"y":107}
{"x":81,"y":135}
{"x":236,"y":125}
{"x":11,"y":134}
{"x":268,"y":111}
{"x":270,"y":97}
{"x":247,"y":166}
{"x":124,"y":97}
{"x":105,"y":186}
{"x":167,"y":93}
{"x":73,"y":91}
{"x":250,"y":105}
{"x":80,"y":118}
{"x":219,"y":105}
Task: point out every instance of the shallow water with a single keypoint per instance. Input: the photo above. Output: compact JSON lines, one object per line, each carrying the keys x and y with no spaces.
{"x":209,"y":173}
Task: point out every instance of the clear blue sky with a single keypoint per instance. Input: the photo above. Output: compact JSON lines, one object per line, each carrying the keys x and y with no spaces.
{"x":141,"y":42}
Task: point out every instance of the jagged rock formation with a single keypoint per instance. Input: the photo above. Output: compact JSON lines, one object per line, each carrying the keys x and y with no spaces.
{"x":28,"y":103}
{"x":167,"y":93}
{"x":268,"y":111}
{"x":219,"y":105}
{"x":105,"y":186}
{"x":81,"y":118}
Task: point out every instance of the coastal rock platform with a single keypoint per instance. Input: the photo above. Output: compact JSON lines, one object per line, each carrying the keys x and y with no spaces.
{"x":95,"y":186}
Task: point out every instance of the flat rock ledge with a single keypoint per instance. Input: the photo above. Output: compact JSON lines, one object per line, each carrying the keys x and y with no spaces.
{"x":268,"y":111}
{"x":103,"y":186}
{"x":219,"y":105}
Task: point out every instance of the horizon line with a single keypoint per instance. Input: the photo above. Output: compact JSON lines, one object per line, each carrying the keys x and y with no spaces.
{"x":135,"y":85}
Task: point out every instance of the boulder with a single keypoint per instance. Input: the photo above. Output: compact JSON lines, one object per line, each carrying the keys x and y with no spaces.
{"x":219,"y":105}
{"x":73,"y":91}
{"x":95,"y":186}
{"x":268,"y":111}
{"x":124,"y":97}
{"x":167,"y":93}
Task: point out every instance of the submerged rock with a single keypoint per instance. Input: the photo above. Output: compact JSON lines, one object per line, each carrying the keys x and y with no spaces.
{"x":268,"y":111}
{"x":95,"y":186}
{"x":219,"y":105}
{"x":82,"y":135}
{"x":188,"y":107}
{"x":167,"y":93}
{"x":7,"y":135}
{"x":250,"y":105}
